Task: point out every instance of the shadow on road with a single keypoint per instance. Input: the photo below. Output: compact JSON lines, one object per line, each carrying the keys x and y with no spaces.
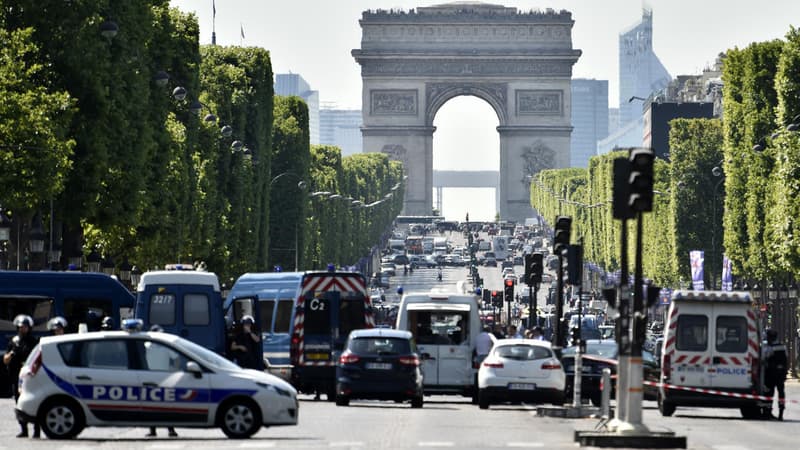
{"x":398,"y":406}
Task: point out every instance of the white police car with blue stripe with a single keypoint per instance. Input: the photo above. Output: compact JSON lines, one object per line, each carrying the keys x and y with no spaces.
{"x":132,"y":378}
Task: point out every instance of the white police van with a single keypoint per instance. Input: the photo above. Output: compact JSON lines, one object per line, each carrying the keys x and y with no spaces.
{"x":132,"y":378}
{"x":710,"y":355}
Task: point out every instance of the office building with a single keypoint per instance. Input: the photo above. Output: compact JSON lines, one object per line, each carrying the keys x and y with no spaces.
{"x":294,"y":84}
{"x":589,"y":119}
{"x":640,"y":71}
{"x":656,"y":122}
{"x":342,"y":128}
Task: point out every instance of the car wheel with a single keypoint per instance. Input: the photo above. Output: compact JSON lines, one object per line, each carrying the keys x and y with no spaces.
{"x":416,"y":402}
{"x":342,"y":400}
{"x":666,"y":408}
{"x":483,"y":399}
{"x":61,"y":419}
{"x":240,"y":419}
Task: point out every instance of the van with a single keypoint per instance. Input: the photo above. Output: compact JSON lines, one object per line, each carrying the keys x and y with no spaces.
{"x":187,"y":303}
{"x":79,"y":297}
{"x":711,"y":342}
{"x":309,"y":316}
{"x":445,"y":326}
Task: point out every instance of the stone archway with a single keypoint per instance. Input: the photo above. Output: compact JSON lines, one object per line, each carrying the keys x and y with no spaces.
{"x":413,"y":62}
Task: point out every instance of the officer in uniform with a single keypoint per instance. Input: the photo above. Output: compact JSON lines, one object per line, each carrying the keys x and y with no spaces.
{"x":57,"y":325}
{"x":246,"y":346}
{"x":775,"y":362}
{"x":19,"y":347}
{"x":107,"y":324}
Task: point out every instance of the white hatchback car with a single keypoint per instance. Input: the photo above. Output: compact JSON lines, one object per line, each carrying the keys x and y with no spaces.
{"x":121,"y":378}
{"x":520,"y":370}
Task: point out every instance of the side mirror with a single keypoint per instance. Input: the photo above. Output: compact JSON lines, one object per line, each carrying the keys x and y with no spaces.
{"x":194,"y":368}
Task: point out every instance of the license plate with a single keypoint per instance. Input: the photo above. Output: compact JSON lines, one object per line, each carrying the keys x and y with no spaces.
{"x":522,"y":386}
{"x":317,"y":356}
{"x":379,"y":366}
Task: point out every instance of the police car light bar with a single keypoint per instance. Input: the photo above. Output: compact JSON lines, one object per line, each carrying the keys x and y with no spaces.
{"x":723,"y":296}
{"x":132,"y":325}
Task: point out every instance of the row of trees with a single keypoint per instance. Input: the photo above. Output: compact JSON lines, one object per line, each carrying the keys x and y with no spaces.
{"x":141,"y":174}
{"x":748,"y":208}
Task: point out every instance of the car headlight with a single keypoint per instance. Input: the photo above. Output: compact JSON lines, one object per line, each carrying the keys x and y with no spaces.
{"x":280,"y":391}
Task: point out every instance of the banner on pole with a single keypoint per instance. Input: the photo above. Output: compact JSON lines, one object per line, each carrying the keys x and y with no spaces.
{"x":696,"y":259}
{"x":727,"y":274}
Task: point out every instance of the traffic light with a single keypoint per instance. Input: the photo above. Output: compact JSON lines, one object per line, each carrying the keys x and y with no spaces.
{"x":610,"y":295}
{"x":640,"y":179}
{"x":528,"y":268}
{"x":575,"y":264}
{"x":509,"y":290}
{"x":561,"y":234}
{"x":619,"y":205}
{"x":575,"y":335}
{"x":496,"y":301}
{"x":652,"y":296}
{"x":536,"y":268}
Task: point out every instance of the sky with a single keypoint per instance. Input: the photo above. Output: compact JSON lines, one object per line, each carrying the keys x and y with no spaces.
{"x":314,"y":38}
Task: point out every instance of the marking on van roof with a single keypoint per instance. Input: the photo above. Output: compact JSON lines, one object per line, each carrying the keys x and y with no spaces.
{"x":732,"y":296}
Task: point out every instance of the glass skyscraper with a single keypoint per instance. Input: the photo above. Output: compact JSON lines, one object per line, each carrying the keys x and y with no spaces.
{"x":640,"y":71}
{"x":589,"y":119}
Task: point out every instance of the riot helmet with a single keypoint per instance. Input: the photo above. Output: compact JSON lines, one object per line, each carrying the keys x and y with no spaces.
{"x":57,"y":322}
{"x":23,"y":319}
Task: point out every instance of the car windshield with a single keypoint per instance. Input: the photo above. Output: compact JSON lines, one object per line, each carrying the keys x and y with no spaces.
{"x":522,"y":352}
{"x":602,"y":349}
{"x":206,"y":356}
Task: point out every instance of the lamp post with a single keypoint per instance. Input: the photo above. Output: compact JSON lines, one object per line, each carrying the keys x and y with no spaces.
{"x":716,"y":172}
{"x":93,"y":261}
{"x":125,"y":271}
{"x":301,"y":185}
{"x":108,"y":265}
{"x":5,"y":235}
{"x":36,"y":237}
{"x":136,"y":275}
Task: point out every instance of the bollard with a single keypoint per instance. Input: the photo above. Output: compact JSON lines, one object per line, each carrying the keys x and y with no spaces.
{"x":606,"y":394}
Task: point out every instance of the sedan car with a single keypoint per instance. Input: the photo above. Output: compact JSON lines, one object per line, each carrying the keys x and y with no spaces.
{"x":379,"y":364}
{"x":520,"y":370}
{"x":599,"y":355}
{"x":389,"y":269}
{"x":134,"y":379}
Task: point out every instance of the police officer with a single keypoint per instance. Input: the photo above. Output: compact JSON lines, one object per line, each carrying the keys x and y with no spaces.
{"x":57,"y":325}
{"x":775,"y":371}
{"x":107,"y":324}
{"x":19,"y":347}
{"x":246,"y":346}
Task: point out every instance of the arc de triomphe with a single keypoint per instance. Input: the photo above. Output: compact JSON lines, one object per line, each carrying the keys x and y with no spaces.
{"x":413,"y":62}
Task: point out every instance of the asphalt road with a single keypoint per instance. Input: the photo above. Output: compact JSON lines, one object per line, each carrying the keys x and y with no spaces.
{"x":443,"y":422}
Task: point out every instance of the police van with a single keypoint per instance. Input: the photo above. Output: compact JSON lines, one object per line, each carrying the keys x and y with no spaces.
{"x":711,"y":350}
{"x":185,"y":302}
{"x":305,"y":318}
{"x":445,"y":326}
{"x":79,"y":297}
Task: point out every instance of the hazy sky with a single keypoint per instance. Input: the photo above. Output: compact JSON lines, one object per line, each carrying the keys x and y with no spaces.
{"x":314,"y":38}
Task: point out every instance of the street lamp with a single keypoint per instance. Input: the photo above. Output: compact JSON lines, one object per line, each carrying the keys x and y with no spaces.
{"x":36,"y":236}
{"x":717,"y":172}
{"x":136,"y":275}
{"x":109,"y":29}
{"x":108,"y":265}
{"x":93,"y":261}
{"x":125,"y":270}
{"x":5,"y":227}
{"x":301,"y":185}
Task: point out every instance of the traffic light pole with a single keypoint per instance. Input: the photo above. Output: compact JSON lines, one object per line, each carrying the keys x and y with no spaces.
{"x":558,"y":341}
{"x":533,"y":319}
{"x":635,"y":371}
{"x":622,"y":330}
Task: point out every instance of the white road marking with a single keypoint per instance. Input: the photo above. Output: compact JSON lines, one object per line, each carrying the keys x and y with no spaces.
{"x":260,"y":444}
{"x":525,"y":444}
{"x":166,"y":446}
{"x":436,"y":444}
{"x":729,"y":447}
{"x":346,"y":444}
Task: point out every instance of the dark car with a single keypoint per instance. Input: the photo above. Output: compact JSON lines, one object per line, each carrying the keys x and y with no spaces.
{"x":599,"y":355}
{"x":379,"y":364}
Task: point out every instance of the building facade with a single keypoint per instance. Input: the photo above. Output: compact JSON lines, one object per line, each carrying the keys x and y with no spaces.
{"x":589,"y":119}
{"x":342,"y":128}
{"x":294,"y":84}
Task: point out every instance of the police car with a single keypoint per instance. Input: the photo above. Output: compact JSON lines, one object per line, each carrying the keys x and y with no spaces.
{"x":133,"y":378}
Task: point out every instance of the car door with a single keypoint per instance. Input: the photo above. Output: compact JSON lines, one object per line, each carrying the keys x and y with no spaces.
{"x":170,"y":395}
{"x":101,"y":377}
{"x":729,"y":367}
{"x":692,"y":350}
